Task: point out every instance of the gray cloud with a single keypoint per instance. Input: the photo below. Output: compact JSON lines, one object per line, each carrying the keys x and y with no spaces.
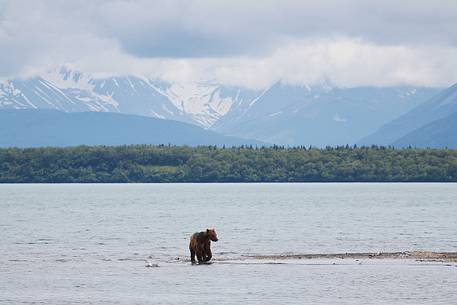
{"x":221,"y":28}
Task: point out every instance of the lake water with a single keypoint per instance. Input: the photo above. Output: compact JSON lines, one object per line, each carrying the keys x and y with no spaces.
{"x":89,"y":244}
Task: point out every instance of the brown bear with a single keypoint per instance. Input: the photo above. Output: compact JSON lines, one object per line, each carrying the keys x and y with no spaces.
{"x":200,"y":245}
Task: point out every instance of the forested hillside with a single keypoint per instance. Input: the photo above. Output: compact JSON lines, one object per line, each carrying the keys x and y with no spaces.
{"x":143,"y":163}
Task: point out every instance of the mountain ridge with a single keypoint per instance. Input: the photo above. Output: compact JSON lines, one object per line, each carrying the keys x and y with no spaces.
{"x":44,"y":127}
{"x":437,"y":107}
{"x":284,"y":114}
{"x":320,"y":116}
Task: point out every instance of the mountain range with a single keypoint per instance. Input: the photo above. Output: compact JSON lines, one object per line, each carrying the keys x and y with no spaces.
{"x":286,"y":114}
{"x":433,"y":118}
{"x":319,"y":116}
{"x":72,"y":91}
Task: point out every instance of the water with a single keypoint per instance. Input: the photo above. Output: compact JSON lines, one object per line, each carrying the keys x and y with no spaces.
{"x":89,"y":244}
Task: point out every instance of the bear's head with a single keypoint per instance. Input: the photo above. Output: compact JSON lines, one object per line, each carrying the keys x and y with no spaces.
{"x":211,"y":234}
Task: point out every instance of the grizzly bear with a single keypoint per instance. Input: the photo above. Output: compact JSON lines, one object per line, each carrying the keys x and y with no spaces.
{"x":200,"y":245}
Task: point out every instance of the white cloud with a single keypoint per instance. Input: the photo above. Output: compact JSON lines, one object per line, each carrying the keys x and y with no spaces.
{"x":248,"y":43}
{"x":343,"y":61}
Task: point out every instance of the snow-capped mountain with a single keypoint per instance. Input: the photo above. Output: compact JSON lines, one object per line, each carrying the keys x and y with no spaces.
{"x":70,"y":91}
{"x":204,"y":102}
{"x":284,"y":114}
{"x":37,"y":92}
{"x":319,"y":115}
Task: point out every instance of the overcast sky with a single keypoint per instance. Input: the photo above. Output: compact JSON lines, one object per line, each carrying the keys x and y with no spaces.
{"x":248,"y":43}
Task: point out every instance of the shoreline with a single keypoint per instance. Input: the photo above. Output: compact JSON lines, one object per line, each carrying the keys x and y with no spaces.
{"x":430,"y":256}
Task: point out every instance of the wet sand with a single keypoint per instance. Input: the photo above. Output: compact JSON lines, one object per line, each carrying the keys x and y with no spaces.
{"x":411,"y":255}
{"x":329,"y":258}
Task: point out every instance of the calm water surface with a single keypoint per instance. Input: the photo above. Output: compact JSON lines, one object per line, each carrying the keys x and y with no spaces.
{"x":89,"y":244}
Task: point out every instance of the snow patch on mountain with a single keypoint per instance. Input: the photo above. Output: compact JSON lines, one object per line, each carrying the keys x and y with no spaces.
{"x":202,"y":101}
{"x":275,"y":114}
{"x":339,"y":119}
{"x":65,"y":77}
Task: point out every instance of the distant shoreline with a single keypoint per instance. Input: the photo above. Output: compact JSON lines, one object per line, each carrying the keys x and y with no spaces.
{"x":211,"y":164}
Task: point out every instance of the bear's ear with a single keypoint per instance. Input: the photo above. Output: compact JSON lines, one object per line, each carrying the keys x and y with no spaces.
{"x":207,"y":230}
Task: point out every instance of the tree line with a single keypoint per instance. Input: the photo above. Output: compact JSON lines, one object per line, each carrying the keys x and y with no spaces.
{"x":147,"y":163}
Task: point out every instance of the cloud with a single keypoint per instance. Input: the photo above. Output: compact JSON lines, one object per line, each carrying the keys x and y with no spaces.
{"x":197,"y":28}
{"x":343,"y":61}
{"x":247,"y":43}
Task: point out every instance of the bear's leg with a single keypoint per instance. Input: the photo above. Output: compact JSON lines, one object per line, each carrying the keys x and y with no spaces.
{"x":200,"y":255}
{"x":192,"y":256}
{"x":209,"y":255}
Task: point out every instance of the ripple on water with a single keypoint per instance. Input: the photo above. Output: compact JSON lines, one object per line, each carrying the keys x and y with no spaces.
{"x":81,"y":244}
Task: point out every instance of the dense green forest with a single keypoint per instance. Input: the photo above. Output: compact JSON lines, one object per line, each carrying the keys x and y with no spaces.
{"x":144,"y":163}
